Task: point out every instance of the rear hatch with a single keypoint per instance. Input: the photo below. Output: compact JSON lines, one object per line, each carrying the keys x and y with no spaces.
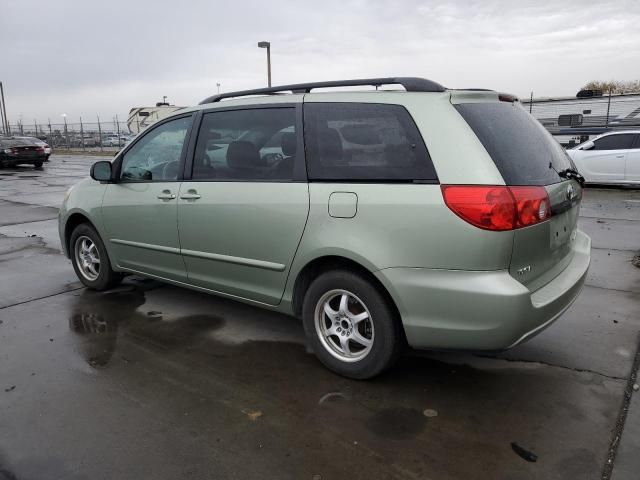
{"x":28,"y":151}
{"x":528,"y":156}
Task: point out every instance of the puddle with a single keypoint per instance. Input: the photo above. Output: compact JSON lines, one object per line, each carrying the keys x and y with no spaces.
{"x":99,"y":319}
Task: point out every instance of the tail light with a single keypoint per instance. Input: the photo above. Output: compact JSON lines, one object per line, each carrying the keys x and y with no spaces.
{"x":498,"y":208}
{"x":40,"y":149}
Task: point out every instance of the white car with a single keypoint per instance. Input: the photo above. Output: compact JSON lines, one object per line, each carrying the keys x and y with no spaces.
{"x":112,"y":141}
{"x":609,"y":158}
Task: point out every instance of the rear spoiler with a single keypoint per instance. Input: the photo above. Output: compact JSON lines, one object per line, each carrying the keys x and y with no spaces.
{"x":478,"y":95}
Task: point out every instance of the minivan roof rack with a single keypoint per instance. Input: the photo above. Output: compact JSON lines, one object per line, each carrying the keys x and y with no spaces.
{"x":410,"y":84}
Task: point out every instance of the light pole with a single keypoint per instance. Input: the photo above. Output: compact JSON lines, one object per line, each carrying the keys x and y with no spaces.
{"x":218,"y":85}
{"x":267,"y":45}
{"x":66,"y":131}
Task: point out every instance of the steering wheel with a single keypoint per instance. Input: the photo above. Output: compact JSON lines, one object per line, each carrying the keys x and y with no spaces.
{"x":170,"y":170}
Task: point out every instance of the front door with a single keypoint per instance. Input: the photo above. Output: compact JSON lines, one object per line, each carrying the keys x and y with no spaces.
{"x":242,"y":214}
{"x":632,"y":171}
{"x":140,"y":211}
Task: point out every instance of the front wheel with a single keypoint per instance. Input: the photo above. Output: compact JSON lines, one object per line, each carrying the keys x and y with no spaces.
{"x":351,"y":326}
{"x":37,"y":164}
{"x":90,"y":259}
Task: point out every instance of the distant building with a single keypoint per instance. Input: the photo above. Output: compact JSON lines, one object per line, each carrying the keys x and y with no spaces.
{"x":574,"y":119}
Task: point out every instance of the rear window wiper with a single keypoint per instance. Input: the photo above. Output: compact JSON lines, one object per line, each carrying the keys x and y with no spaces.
{"x":569,"y":173}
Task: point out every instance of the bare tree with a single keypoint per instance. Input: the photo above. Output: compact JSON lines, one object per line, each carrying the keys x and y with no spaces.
{"x":616,"y":86}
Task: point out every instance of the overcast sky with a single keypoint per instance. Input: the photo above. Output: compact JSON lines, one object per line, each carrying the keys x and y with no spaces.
{"x":91,"y":58}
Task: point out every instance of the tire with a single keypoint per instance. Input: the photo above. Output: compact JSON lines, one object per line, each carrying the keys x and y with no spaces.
{"x":37,"y":164}
{"x":100,"y":277}
{"x":378,"y":322}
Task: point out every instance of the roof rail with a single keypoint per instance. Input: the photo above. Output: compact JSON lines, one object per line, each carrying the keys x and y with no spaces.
{"x":410,"y":84}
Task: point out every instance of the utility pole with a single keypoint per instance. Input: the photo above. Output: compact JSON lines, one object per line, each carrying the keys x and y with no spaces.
{"x":118,"y":129}
{"x":7,"y":129}
{"x":81,"y":134}
{"x":531,"y":102}
{"x":2,"y":124}
{"x":608,"y":107}
{"x":99,"y":131}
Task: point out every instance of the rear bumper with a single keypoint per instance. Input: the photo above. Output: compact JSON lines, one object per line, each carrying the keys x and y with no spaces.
{"x":455,"y":309}
{"x":23,"y":160}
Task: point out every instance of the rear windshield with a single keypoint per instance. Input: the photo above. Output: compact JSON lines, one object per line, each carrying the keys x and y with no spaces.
{"x":518,"y":144}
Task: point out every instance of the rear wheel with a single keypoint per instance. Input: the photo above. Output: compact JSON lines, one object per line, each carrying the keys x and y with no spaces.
{"x":351,"y":325}
{"x":90,"y":259}
{"x":37,"y":164}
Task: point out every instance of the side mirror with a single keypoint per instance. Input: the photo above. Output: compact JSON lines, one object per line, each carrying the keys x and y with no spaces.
{"x":101,"y":171}
{"x":588,"y":145}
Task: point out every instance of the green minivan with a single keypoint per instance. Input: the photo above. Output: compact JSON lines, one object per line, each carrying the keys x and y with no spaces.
{"x":437,"y":218}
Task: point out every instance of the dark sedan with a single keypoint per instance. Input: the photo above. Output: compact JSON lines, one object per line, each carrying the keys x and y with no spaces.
{"x":21,"y":150}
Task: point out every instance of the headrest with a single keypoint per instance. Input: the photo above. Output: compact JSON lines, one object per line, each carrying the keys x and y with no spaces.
{"x":288,"y":144}
{"x":329,"y":146}
{"x":243,"y":154}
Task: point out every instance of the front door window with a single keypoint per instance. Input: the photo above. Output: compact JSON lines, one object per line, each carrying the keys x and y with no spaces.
{"x":156,"y":156}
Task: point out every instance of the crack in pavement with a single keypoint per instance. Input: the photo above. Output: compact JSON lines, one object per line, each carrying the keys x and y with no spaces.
{"x":74,"y":289}
{"x":611,"y":289}
{"x":549,"y":364}
{"x":41,"y":298}
{"x":28,"y":221}
{"x":614,"y":249}
{"x":610,"y":218}
{"x":616,"y":434}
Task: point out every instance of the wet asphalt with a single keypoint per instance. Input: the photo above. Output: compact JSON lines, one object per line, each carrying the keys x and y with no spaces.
{"x":153,"y":381}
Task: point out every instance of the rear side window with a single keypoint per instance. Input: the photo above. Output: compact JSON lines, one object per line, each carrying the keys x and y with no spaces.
{"x":364,"y":142}
{"x":524,"y":152}
{"x":614,"y":142}
{"x":246,"y":145}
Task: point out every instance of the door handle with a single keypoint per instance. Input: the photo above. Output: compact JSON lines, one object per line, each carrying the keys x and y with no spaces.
{"x":191,"y":194}
{"x":619,"y":156}
{"x":166,"y":195}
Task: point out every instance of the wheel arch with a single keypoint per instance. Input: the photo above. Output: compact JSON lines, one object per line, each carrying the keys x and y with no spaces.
{"x":319,"y":265}
{"x":70,"y":225}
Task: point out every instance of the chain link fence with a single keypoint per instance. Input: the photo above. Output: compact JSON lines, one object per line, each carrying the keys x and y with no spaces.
{"x":100,"y":136}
